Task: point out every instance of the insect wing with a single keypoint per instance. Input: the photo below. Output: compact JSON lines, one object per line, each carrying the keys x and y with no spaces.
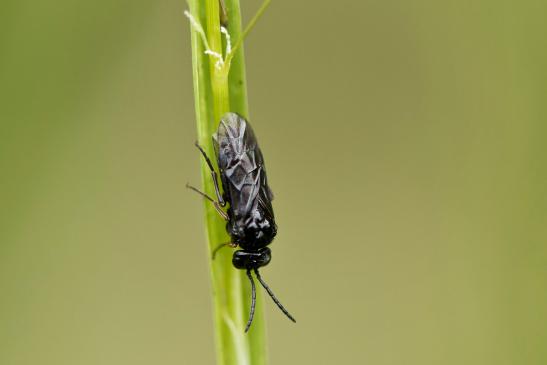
{"x":242,"y":166}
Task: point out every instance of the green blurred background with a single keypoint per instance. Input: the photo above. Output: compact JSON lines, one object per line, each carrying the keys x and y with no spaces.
{"x":405,"y":142}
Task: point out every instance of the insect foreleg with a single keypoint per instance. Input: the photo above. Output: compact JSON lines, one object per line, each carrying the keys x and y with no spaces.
{"x":229,"y":244}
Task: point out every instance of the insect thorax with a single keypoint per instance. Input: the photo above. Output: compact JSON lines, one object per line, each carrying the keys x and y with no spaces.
{"x":252,"y":232}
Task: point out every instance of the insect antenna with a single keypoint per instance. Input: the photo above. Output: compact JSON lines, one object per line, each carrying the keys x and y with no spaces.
{"x":272,"y":295}
{"x":253,"y":300}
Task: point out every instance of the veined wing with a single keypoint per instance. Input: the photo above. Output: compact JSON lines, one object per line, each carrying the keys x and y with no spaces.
{"x":242,"y":166}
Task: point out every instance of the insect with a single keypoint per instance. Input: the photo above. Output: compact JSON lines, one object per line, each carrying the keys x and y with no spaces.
{"x":250,"y":218}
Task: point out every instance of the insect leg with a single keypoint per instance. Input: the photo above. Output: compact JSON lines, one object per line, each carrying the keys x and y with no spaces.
{"x":213,"y":175}
{"x":253,"y":300}
{"x":276,"y":301}
{"x":229,"y":244}
{"x":215,"y":203}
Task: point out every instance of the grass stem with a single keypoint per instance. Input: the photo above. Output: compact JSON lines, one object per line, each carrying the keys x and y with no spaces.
{"x":219,"y":87}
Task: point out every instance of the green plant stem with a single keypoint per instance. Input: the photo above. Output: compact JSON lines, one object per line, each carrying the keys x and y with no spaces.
{"x":217,"y":91}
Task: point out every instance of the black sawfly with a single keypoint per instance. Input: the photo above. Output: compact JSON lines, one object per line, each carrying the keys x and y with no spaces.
{"x":250,"y":218}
